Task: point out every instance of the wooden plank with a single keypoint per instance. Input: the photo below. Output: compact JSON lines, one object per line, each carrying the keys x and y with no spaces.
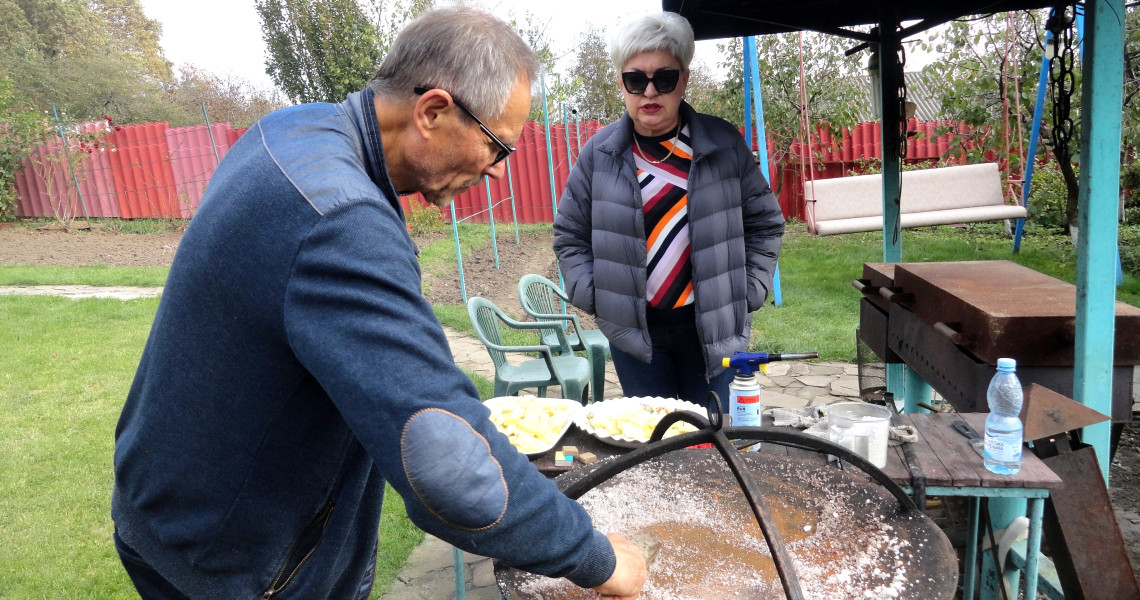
{"x":950,"y":447}
{"x":928,"y":456}
{"x":896,"y":467}
{"x":1034,"y":473}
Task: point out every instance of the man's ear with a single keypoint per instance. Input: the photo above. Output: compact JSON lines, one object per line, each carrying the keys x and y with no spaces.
{"x":429,"y":109}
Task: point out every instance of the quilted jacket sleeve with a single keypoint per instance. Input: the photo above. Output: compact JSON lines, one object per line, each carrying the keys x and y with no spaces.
{"x":573,"y":232}
{"x":763,"y":228}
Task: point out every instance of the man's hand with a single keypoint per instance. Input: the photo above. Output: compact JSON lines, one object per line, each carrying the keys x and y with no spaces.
{"x":630,"y":572}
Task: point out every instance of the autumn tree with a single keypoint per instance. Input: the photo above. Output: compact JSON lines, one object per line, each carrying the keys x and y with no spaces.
{"x":323,"y":50}
{"x":595,"y":80}
{"x":534,"y":33}
{"x":830,"y":83}
{"x":989,"y":66}
{"x":87,"y":58}
{"x":711,"y":96}
{"x":227,"y":99}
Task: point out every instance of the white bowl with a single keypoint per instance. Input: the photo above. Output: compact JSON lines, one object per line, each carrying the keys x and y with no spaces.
{"x":592,"y":412}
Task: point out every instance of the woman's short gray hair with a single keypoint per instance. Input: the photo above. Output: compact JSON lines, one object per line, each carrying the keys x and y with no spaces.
{"x":666,"y":31}
{"x":469,"y":53}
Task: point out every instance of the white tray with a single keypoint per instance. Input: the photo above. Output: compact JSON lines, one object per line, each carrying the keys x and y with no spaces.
{"x":497,"y":404}
{"x":619,"y":405}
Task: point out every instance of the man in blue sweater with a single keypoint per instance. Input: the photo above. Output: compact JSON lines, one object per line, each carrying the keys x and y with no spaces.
{"x":294,"y":367}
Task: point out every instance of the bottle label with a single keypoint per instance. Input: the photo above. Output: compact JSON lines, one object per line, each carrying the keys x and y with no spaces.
{"x":1004,"y":451}
{"x":746,"y":410}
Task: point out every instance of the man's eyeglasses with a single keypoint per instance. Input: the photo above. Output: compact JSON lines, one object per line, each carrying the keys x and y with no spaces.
{"x":664,"y":81}
{"x":504,"y":149}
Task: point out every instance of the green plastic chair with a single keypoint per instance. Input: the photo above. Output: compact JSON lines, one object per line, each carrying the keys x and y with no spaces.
{"x":541,"y":298}
{"x":557,"y":365}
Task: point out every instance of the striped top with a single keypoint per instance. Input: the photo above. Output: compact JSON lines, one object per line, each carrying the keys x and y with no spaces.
{"x":664,"y":193}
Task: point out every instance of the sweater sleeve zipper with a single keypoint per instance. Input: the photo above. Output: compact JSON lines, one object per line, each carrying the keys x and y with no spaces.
{"x":294,"y":562}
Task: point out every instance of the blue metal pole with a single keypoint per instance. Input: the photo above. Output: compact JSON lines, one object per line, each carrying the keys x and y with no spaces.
{"x":491,"y":216}
{"x":1099,"y":182}
{"x":1034,"y":139}
{"x":458,"y":252}
{"x":210,"y":130}
{"x":891,"y":75}
{"x":549,"y":154}
{"x":749,"y":58}
{"x":892,"y":79}
{"x":752,"y":82}
{"x":1002,"y":512}
{"x":514,"y":214}
{"x":566,"y":131}
{"x":1080,"y":21}
{"x":578,"y":131}
{"x":550,"y":168}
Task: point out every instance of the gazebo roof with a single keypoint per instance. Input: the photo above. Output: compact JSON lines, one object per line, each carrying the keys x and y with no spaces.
{"x":731,"y":18}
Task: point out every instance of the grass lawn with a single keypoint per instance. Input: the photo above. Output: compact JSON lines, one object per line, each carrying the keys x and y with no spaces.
{"x":65,"y":369}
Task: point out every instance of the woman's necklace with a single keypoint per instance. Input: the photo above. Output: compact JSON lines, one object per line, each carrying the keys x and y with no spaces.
{"x":672,"y":145}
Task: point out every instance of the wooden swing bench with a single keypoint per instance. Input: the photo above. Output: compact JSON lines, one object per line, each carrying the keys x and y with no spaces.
{"x":939,"y":196}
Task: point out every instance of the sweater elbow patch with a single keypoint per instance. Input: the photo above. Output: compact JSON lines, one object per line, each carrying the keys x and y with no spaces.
{"x":450,"y":467}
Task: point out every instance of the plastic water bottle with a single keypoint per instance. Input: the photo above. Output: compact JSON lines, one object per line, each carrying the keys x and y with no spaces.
{"x":1003,"y":427}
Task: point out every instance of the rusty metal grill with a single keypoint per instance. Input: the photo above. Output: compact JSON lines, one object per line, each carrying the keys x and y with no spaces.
{"x":872,"y":372}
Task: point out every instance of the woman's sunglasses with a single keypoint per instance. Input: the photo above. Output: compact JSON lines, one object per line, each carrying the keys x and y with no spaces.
{"x":664,"y":81}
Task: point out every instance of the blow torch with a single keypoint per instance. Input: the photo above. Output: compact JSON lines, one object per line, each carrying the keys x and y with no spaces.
{"x":744,"y":391}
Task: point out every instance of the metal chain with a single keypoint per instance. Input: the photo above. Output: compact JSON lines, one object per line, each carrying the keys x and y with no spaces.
{"x":902,"y":125}
{"x":902,"y":106}
{"x":1061,"y":77}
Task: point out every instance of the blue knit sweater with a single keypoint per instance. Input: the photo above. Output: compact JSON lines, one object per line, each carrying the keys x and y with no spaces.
{"x":294,"y":367}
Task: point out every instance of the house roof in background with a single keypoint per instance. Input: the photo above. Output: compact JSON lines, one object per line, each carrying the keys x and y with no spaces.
{"x":919,"y":89}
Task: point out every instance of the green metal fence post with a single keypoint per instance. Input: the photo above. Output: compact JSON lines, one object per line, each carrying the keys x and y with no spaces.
{"x":70,"y":168}
{"x":491,"y":216}
{"x":210,"y":130}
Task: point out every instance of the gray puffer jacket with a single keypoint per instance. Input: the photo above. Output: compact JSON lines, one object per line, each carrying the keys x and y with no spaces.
{"x":735,"y":231}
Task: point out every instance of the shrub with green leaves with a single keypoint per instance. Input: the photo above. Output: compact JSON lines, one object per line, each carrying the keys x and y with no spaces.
{"x":423,"y":218}
{"x":1047,"y":195}
{"x":22,"y":130}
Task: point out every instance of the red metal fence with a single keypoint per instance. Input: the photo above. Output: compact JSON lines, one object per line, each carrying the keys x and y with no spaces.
{"x":148,"y":170}
{"x":153,"y":170}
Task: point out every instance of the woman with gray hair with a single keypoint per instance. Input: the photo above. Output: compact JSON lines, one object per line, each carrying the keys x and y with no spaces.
{"x":667,"y":231}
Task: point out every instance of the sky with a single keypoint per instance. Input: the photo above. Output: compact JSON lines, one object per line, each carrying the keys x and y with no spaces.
{"x":224,"y":36}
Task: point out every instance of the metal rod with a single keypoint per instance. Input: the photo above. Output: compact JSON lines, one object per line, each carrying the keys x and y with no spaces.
{"x":491,"y":216}
{"x":549,"y":155}
{"x":566,"y":134}
{"x":458,"y":252}
{"x":210,"y":130}
{"x":70,"y":169}
{"x":763,"y":514}
{"x":577,"y":130}
{"x":711,"y":430}
{"x":1034,"y":137}
{"x":514,"y":213}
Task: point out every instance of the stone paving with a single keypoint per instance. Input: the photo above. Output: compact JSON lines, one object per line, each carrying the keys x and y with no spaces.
{"x":81,"y":291}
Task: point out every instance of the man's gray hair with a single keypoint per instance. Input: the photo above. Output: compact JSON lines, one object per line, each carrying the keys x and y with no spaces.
{"x":666,"y":31}
{"x":471,"y":54}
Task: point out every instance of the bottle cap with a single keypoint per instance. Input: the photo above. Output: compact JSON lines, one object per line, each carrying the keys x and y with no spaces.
{"x":1007,"y":364}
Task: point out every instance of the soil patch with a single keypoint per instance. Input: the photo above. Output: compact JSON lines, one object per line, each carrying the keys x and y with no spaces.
{"x":497,"y":279}
{"x":21,"y":245}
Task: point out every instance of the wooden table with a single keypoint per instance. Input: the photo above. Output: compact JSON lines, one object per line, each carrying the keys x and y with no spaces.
{"x":948,"y":462}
